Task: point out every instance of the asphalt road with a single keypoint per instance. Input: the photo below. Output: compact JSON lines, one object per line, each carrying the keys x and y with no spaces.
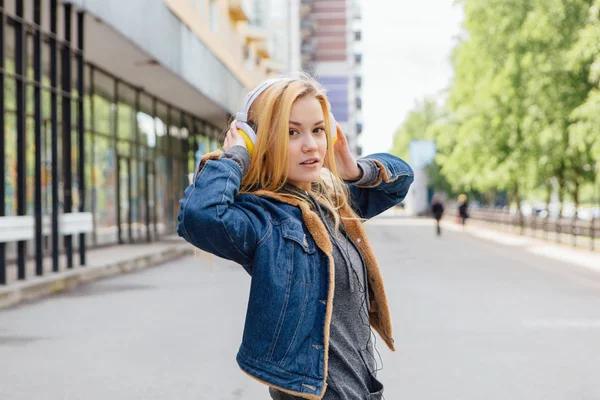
{"x":473,"y":320}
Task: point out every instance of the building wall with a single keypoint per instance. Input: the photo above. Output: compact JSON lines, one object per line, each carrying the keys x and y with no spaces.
{"x":144,"y":62}
{"x":417,"y":199}
{"x":330,"y":49}
{"x":284,"y":29}
{"x":196,"y":39}
{"x":281,"y":21}
{"x":137,"y":148}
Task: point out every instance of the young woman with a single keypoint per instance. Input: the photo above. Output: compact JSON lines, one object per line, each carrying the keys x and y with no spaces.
{"x":287,"y":205}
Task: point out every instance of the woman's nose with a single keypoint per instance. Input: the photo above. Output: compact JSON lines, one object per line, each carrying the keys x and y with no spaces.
{"x":310,"y":144}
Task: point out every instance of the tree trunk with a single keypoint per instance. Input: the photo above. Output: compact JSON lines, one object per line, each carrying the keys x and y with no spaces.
{"x":562,"y":187}
{"x":575,"y":195}
{"x":548,"y":199}
{"x":519,"y":212}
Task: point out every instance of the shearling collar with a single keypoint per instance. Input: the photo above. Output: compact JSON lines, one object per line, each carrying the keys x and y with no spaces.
{"x":379,"y":313}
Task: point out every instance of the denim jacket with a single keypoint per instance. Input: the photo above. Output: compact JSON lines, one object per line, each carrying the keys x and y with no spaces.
{"x":286,"y":249}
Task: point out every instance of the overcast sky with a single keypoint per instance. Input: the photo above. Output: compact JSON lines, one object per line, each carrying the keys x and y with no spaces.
{"x":406,"y":56}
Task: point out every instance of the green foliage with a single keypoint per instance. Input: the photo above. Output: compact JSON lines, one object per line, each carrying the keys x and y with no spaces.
{"x":415,"y":126}
{"x":524,"y":106}
{"x":427,"y":121}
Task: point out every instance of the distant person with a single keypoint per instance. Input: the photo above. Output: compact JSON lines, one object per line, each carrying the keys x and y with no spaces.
{"x":437,"y":209}
{"x":463,"y":206}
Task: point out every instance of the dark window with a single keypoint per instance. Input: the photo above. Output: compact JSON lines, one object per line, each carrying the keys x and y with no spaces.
{"x":246,"y":51}
{"x":359,"y":128}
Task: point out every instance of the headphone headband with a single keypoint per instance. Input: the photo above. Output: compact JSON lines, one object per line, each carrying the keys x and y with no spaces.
{"x":242,"y":116}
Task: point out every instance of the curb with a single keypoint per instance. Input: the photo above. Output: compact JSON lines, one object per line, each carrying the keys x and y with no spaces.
{"x":37,"y":288}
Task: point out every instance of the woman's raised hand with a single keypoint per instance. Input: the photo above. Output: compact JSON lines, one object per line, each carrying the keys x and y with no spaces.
{"x":345,"y":162}
{"x":233,"y":138}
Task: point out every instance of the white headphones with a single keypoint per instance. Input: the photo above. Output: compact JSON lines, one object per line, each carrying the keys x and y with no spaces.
{"x":243,"y":124}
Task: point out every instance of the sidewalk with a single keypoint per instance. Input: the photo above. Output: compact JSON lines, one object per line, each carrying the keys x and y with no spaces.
{"x":102,"y":263}
{"x":549,"y":249}
{"x":497,"y":233}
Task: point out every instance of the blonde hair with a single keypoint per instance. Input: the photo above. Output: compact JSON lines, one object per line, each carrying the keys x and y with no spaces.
{"x":268,"y":170}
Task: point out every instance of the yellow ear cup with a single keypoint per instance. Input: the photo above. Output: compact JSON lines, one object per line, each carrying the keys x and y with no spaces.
{"x":249,"y":144}
{"x":333,"y":129}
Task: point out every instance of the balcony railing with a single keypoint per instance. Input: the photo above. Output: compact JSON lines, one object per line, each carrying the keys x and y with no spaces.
{"x":239,"y":10}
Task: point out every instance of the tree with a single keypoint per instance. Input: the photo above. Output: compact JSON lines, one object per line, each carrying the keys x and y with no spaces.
{"x":423,"y":123}
{"x":584,"y":58}
{"x":487,"y":100}
{"x":514,"y":97}
{"x":424,"y":114}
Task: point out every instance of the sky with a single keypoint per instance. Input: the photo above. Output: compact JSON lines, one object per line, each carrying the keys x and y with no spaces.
{"x":406,"y":57}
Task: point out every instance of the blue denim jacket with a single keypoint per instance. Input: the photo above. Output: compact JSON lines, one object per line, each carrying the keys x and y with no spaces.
{"x":286,"y":249}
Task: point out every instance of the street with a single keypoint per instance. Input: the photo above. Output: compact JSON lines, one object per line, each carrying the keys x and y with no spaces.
{"x":473,"y":319}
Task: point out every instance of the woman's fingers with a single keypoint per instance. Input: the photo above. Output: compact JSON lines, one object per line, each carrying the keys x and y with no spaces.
{"x":227,"y":141}
{"x":233,"y":137}
{"x":339,"y":131}
{"x":234,"y":134}
{"x":340,"y":140}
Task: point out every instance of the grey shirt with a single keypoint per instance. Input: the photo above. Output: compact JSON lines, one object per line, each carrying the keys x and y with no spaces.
{"x":351,"y":363}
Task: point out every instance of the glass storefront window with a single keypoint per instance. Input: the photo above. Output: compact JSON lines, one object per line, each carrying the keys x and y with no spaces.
{"x":105,"y":177}
{"x":102,"y":115}
{"x":155,"y":160}
{"x":126,"y":113}
{"x":162,"y":185}
{"x":10,"y":163}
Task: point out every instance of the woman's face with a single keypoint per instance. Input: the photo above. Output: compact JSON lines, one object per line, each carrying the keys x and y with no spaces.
{"x":308,"y":142}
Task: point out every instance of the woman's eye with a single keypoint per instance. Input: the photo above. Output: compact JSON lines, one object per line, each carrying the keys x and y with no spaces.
{"x":293,"y":133}
{"x":319,"y":130}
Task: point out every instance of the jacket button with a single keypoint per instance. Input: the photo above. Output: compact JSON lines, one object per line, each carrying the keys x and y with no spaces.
{"x":358,"y":240}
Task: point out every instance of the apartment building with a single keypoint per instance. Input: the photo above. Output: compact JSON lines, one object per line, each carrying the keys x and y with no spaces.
{"x":331,"y":50}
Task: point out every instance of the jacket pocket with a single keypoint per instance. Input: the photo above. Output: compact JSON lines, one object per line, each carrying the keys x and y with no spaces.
{"x":296,"y":255}
{"x":295,"y":233}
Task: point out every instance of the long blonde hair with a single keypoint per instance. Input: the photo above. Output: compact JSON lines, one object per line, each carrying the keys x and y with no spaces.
{"x":268,"y":170}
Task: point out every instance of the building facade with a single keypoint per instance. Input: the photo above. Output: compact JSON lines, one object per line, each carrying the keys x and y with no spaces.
{"x":282,"y":20}
{"x":331,"y":50}
{"x":107,"y":106}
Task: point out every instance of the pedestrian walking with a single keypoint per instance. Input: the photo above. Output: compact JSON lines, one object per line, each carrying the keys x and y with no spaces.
{"x":437,"y":210}
{"x":463,"y":209}
{"x":286,"y":200}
